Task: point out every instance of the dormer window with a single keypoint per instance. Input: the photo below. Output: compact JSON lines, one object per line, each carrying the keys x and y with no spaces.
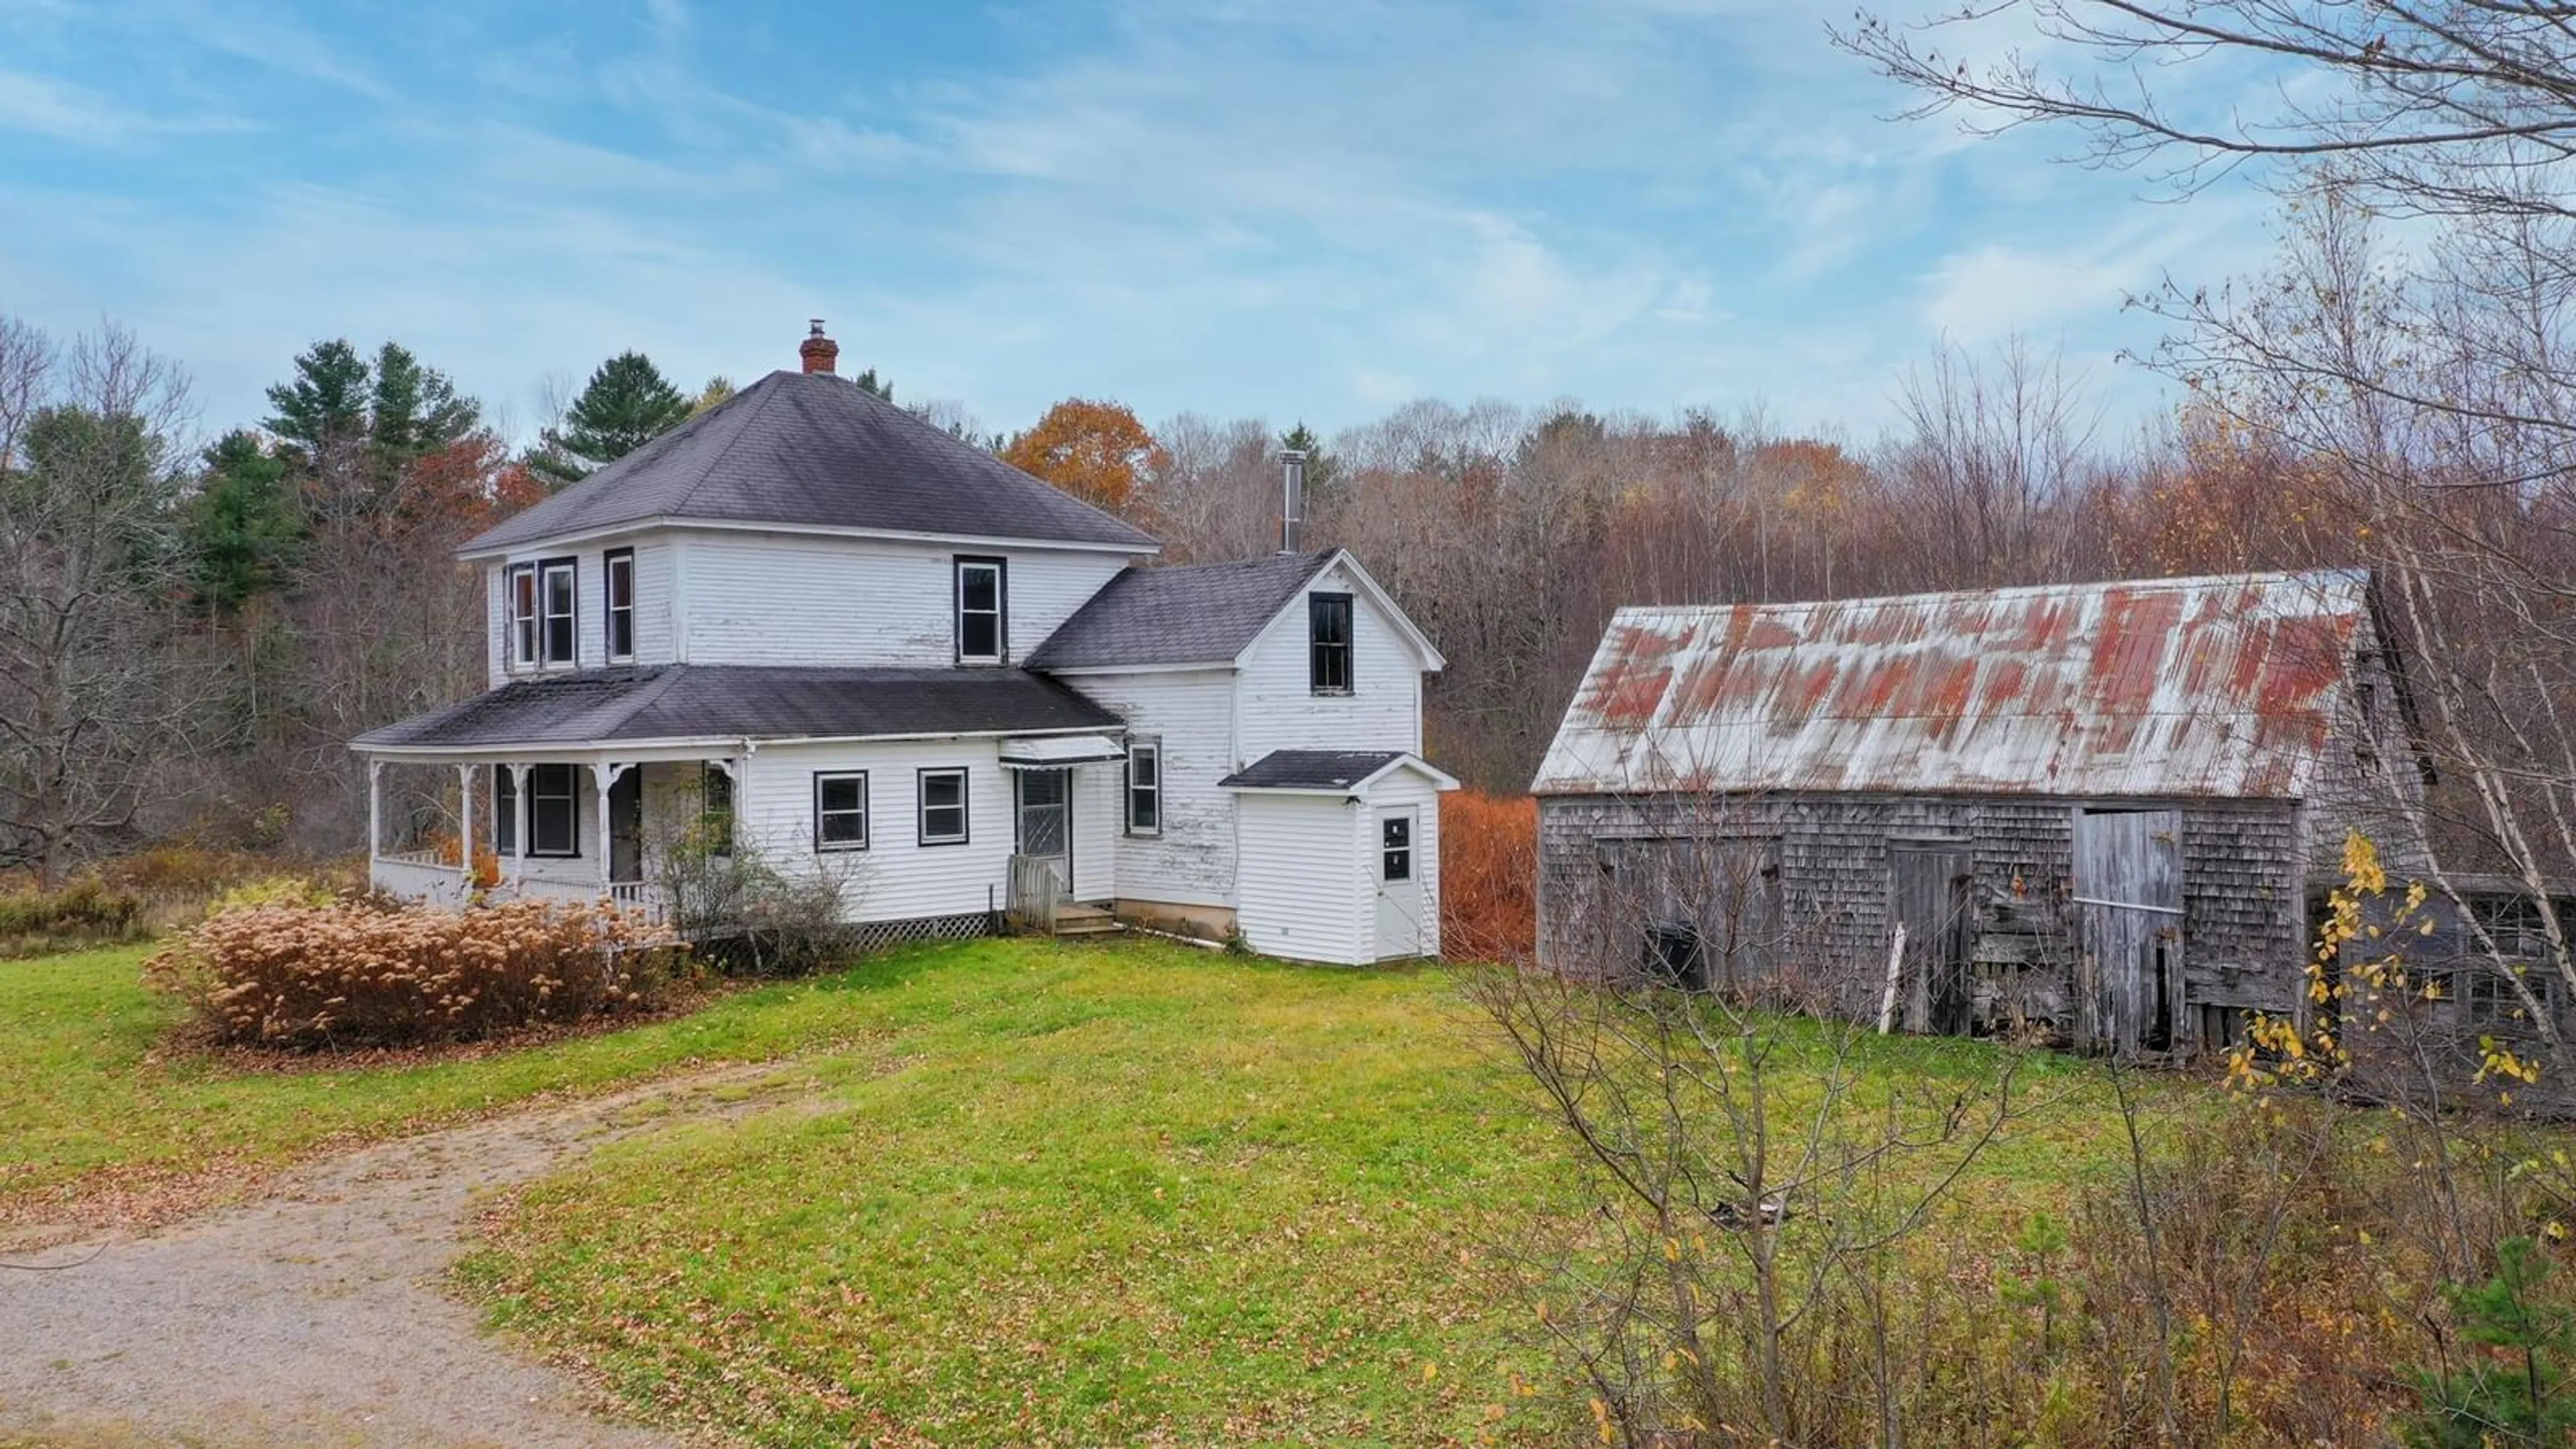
{"x":1328,"y":643}
{"x":982,"y":610}
{"x":617,"y":573}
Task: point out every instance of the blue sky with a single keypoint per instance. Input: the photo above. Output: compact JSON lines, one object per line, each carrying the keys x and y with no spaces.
{"x":1317,"y":209}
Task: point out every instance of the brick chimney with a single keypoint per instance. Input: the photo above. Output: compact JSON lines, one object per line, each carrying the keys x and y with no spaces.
{"x":820,"y":352}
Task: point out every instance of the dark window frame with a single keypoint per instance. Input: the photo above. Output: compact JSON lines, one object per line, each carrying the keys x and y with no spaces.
{"x":1001,"y":610}
{"x":1326,"y":657}
{"x":867,"y":826}
{"x":505,"y":812}
{"x":538,"y":797}
{"x":1151,"y":745}
{"x":1390,"y":853}
{"x":570,"y":567}
{"x":718,"y":825}
{"x":612,"y":613}
{"x":520,"y":616}
{"x":921,"y":835}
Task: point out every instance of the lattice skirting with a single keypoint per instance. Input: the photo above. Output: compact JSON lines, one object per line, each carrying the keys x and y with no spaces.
{"x":873,"y":936}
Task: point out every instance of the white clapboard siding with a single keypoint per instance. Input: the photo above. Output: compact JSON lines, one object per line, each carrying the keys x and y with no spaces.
{"x":765,"y":598}
{"x":1398,"y":790}
{"x":1191,"y":862}
{"x":653,"y":568}
{"x":896,"y":878}
{"x":1279,"y":709}
{"x":1302,"y":888}
{"x":496,"y":626}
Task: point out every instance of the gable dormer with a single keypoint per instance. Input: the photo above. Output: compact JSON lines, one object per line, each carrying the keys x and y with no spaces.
{"x":802,"y":521}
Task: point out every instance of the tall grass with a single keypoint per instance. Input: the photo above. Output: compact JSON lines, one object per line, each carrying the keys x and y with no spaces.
{"x":1488,"y":876}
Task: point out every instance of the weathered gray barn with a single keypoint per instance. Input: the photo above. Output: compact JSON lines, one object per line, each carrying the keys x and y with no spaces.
{"x":2099,"y":811}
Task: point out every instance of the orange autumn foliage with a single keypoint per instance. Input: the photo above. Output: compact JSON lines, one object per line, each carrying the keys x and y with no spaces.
{"x":1488,"y":876}
{"x":1096,"y":451}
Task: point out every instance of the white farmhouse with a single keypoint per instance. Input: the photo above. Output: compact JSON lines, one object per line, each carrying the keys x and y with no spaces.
{"x":876,"y":654}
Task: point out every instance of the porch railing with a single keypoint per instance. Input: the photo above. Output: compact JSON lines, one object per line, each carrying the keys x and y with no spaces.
{"x":1035,"y":894}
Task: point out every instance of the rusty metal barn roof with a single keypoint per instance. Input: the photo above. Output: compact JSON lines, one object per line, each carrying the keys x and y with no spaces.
{"x":2218,"y":686}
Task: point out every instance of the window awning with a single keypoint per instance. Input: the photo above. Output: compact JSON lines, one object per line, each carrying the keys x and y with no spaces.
{"x":1046,"y":752}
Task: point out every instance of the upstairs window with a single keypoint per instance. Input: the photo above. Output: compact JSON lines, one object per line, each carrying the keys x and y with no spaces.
{"x":555,"y":598}
{"x":841,"y":810}
{"x":520,"y":599}
{"x":554,"y":810}
{"x":1328,"y":635}
{"x":617,"y":568}
{"x":981,"y":610}
{"x":1144,"y":787}
{"x":943,"y":807}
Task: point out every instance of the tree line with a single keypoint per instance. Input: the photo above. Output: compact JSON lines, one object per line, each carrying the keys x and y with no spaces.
{"x":193,"y":634}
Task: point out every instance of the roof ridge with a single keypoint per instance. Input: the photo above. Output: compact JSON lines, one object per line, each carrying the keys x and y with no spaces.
{"x":907,"y":418}
{"x":2330,"y":572}
{"x":680,"y":506}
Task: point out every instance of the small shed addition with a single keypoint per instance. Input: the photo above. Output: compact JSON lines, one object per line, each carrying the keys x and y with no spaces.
{"x":2101,"y":811}
{"x":1341,"y":854}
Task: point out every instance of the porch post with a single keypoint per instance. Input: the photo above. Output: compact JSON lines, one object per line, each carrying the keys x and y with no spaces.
{"x":519,"y":847}
{"x":375,"y":808}
{"x":606,"y":775}
{"x":465,"y":823}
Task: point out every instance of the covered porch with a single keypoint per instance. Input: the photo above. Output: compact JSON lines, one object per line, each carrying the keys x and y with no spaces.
{"x":580,"y":826}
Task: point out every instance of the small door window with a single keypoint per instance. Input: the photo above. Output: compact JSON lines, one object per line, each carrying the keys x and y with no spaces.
{"x":1395,"y":848}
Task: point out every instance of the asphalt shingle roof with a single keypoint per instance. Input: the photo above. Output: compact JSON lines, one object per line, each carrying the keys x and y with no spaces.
{"x":1199,"y":614}
{"x":816,"y":450}
{"x":689,"y":701}
{"x":1310,"y":769}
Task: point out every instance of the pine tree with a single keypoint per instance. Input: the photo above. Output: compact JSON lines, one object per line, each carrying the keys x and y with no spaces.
{"x":326,"y":402}
{"x":241,"y":528}
{"x":869,"y":382}
{"x":626,"y":404}
{"x":415,"y":410}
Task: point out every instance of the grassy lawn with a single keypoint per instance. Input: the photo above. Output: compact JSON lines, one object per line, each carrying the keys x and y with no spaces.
{"x":92,"y":1099}
{"x":1086,"y":1196}
{"x":1045,"y":1193}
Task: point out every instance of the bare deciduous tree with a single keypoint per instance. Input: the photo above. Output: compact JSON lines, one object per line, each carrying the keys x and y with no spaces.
{"x":100,"y":697}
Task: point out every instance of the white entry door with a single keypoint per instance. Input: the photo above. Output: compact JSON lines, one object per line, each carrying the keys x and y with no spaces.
{"x":1398,"y":871}
{"x":1046,"y":820}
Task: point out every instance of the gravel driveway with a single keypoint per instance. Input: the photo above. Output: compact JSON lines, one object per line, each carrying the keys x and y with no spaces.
{"x":314,"y":1316}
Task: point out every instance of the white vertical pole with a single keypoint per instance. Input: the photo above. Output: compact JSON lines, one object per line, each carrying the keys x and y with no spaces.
{"x":465,"y":823}
{"x":519,"y":824}
{"x":605,"y":774}
{"x":375,"y":808}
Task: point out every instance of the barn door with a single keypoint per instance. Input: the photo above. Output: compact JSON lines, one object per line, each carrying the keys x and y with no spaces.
{"x":2128,"y":902}
{"x":1929,"y":881}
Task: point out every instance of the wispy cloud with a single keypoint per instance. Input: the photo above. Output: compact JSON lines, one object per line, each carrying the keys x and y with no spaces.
{"x":1308,"y":208}
{"x":60,"y":110}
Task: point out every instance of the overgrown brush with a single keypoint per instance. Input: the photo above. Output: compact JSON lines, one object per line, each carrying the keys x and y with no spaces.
{"x":1488,"y":876}
{"x":84,"y":912}
{"x":302,"y":976}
